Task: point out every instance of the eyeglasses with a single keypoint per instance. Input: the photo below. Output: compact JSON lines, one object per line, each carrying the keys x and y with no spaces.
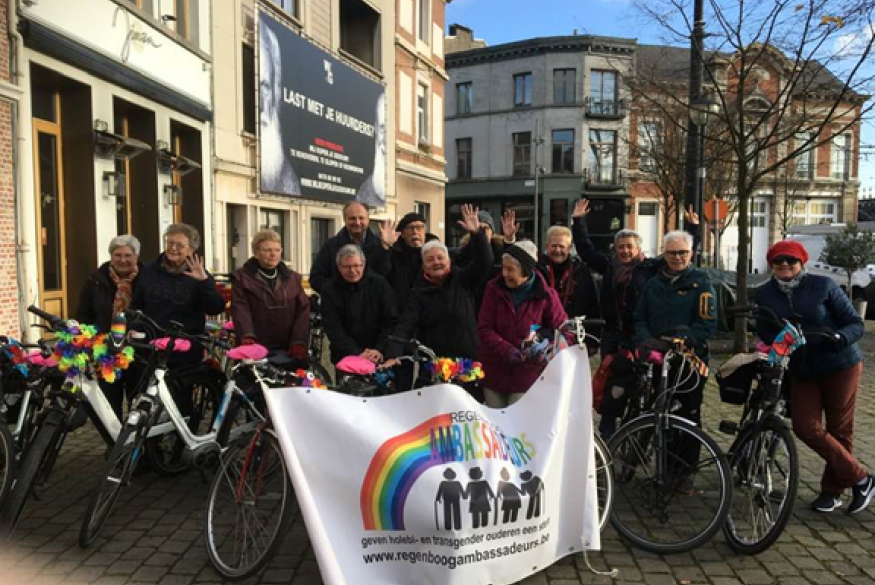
{"x":419,"y":227}
{"x":785,"y":260}
{"x":678,"y":253}
{"x":175,"y":245}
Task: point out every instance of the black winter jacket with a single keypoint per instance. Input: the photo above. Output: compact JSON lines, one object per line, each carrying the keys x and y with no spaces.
{"x":97,"y":296}
{"x":401,"y":265}
{"x":358,"y":316}
{"x":584,"y":299}
{"x":443,"y":317}
{"x":325,"y":266}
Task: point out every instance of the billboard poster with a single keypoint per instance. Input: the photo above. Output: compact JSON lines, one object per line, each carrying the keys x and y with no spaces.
{"x":430,"y":486}
{"x":322,"y":124}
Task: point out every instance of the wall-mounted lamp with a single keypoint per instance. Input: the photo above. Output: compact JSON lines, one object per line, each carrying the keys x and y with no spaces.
{"x":168,"y":18}
{"x":113,"y":185}
{"x":172,"y":195}
{"x":100,"y":125}
{"x":162,"y":145}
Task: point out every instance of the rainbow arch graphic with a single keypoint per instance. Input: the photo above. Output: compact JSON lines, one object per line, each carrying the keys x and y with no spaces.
{"x":394,"y":469}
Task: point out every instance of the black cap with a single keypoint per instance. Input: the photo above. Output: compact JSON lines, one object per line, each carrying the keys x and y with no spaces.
{"x":408,"y":219}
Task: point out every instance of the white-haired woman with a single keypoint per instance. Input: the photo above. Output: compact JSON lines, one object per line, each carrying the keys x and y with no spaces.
{"x":107,"y":292}
{"x":514,"y":301}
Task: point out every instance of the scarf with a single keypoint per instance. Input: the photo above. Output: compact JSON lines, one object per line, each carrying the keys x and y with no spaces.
{"x":123,"y":290}
{"x":788,"y":286}
{"x":565,"y":271}
{"x":521,"y":294}
{"x":622,"y":277}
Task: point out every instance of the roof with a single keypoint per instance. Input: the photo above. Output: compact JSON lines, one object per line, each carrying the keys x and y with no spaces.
{"x":541,"y":45}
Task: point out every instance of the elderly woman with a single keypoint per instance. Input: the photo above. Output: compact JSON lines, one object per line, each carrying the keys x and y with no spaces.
{"x":358,"y":309}
{"x":514,"y":301}
{"x":440,"y":310}
{"x":825,"y":374}
{"x":177,"y":287}
{"x":569,"y":275}
{"x":268,"y":303}
{"x":107,"y":292}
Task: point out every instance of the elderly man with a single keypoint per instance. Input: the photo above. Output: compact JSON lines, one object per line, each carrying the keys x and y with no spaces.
{"x":358,"y":308}
{"x":400,"y":259}
{"x":679,"y":296}
{"x":568,"y":275}
{"x":354,"y":231}
{"x":440,"y":311}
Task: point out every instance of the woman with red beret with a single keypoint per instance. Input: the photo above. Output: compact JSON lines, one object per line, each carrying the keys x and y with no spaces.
{"x":826,"y":384}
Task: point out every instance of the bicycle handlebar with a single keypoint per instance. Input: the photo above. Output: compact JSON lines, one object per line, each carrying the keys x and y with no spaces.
{"x":54,"y":321}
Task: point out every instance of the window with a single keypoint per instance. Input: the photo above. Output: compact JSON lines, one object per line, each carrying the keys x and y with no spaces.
{"x":145,"y":5}
{"x":603,"y":92}
{"x":759,"y":211}
{"x":649,"y":140}
{"x":422,"y":113}
{"x":522,"y":154}
{"x":423,"y":209}
{"x":563,"y":86}
{"x":248,"y":88}
{"x":320,"y":230}
{"x":360,"y":32}
{"x":522,"y":89}
{"x":602,"y":157}
{"x":804,"y":163}
{"x":273,"y":219}
{"x":463,"y":158}
{"x":822,"y":212}
{"x":839,"y":157}
{"x":563,"y":151}
{"x":187,"y":18}
{"x":464,"y":98}
{"x":290,"y":6}
{"x":424,"y":20}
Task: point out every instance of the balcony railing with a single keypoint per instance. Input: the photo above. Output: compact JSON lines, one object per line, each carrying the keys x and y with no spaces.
{"x":609,"y":109}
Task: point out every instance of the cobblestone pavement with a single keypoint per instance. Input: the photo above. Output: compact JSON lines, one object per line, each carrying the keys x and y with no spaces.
{"x":155,"y":533}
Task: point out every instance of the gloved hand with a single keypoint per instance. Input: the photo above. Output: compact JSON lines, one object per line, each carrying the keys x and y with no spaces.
{"x":514,"y":356}
{"x":654,"y":344}
{"x":298,"y":352}
{"x":248,"y":341}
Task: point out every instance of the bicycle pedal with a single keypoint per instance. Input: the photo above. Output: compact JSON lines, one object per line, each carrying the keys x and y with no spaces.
{"x":728,"y":427}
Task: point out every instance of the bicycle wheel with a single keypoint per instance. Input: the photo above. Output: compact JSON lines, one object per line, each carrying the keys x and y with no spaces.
{"x":119,"y":466}
{"x":672,"y":489}
{"x":7,"y":459}
{"x":249,"y":507}
{"x":39,"y":452}
{"x":604,"y":480}
{"x":165,"y":452}
{"x":765,"y":473}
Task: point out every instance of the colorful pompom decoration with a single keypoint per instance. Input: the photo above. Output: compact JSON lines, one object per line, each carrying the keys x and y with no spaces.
{"x":16,"y":356}
{"x":461,"y":369}
{"x":309,"y":380}
{"x":81,"y":348}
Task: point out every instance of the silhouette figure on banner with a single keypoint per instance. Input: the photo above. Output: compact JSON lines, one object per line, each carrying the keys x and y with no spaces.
{"x":480,"y":494}
{"x":450,"y":493}
{"x":534,"y":488}
{"x":509,"y":494}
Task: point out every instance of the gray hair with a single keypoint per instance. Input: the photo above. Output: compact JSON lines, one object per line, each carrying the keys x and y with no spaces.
{"x":125,"y":240}
{"x":349,"y":251}
{"x":677,"y":235}
{"x":189,"y":231}
{"x":628,"y":234}
{"x":432,"y":245}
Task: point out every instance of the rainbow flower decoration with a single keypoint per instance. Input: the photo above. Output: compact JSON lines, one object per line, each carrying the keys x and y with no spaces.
{"x":16,"y":356}
{"x":82,"y":349}
{"x":309,"y":380}
{"x":461,"y":369}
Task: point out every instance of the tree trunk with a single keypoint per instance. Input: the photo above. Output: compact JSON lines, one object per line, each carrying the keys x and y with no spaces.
{"x":741,"y":269}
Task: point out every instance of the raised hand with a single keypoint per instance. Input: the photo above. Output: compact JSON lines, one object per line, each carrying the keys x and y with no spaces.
{"x":469,"y":222}
{"x":509,"y":226}
{"x":388,"y":235}
{"x":691,"y":216}
{"x":196,"y":268}
{"x":581,"y":208}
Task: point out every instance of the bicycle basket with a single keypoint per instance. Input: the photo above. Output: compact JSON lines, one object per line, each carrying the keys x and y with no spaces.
{"x":735,"y":378}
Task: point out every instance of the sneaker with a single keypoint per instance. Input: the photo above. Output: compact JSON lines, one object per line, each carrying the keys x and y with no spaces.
{"x":863,"y":495}
{"x":826,"y":503}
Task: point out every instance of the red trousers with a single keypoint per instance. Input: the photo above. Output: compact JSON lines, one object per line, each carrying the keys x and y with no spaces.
{"x":835,"y":396}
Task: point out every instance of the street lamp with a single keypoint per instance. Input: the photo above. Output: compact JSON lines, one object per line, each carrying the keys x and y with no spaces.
{"x":701,"y":109}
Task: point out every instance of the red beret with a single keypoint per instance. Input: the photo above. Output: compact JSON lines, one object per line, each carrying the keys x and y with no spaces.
{"x":790,"y":248}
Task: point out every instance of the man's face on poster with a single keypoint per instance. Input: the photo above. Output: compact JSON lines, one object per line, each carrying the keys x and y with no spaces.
{"x":269,"y":79}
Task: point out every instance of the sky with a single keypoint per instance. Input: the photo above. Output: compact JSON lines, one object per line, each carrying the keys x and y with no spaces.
{"x":502,"y":21}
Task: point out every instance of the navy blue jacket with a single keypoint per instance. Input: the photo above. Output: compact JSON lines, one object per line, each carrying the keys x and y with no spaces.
{"x":821,"y":306}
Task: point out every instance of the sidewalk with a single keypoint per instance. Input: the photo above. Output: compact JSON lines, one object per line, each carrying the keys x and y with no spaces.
{"x":155,"y":534}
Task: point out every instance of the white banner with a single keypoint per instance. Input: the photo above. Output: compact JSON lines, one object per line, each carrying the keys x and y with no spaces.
{"x":431,"y":487}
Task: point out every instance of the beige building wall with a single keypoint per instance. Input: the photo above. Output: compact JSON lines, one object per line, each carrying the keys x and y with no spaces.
{"x":240,"y":208}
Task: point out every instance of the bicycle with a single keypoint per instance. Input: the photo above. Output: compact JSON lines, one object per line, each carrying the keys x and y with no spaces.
{"x":763,"y":457}
{"x":316,"y":340}
{"x":154,"y":405}
{"x":672,"y":482}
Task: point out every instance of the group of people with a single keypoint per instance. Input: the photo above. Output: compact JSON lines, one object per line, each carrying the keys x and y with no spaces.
{"x":382,"y":288}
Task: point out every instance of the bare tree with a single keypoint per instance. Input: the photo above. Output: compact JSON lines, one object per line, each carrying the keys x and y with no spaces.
{"x":788,"y":77}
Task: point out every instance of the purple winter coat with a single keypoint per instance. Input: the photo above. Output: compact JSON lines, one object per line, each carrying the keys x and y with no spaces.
{"x":501,"y":326}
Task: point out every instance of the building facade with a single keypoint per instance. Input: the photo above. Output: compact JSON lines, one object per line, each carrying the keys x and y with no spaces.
{"x":386,"y":51}
{"x":113,"y":127}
